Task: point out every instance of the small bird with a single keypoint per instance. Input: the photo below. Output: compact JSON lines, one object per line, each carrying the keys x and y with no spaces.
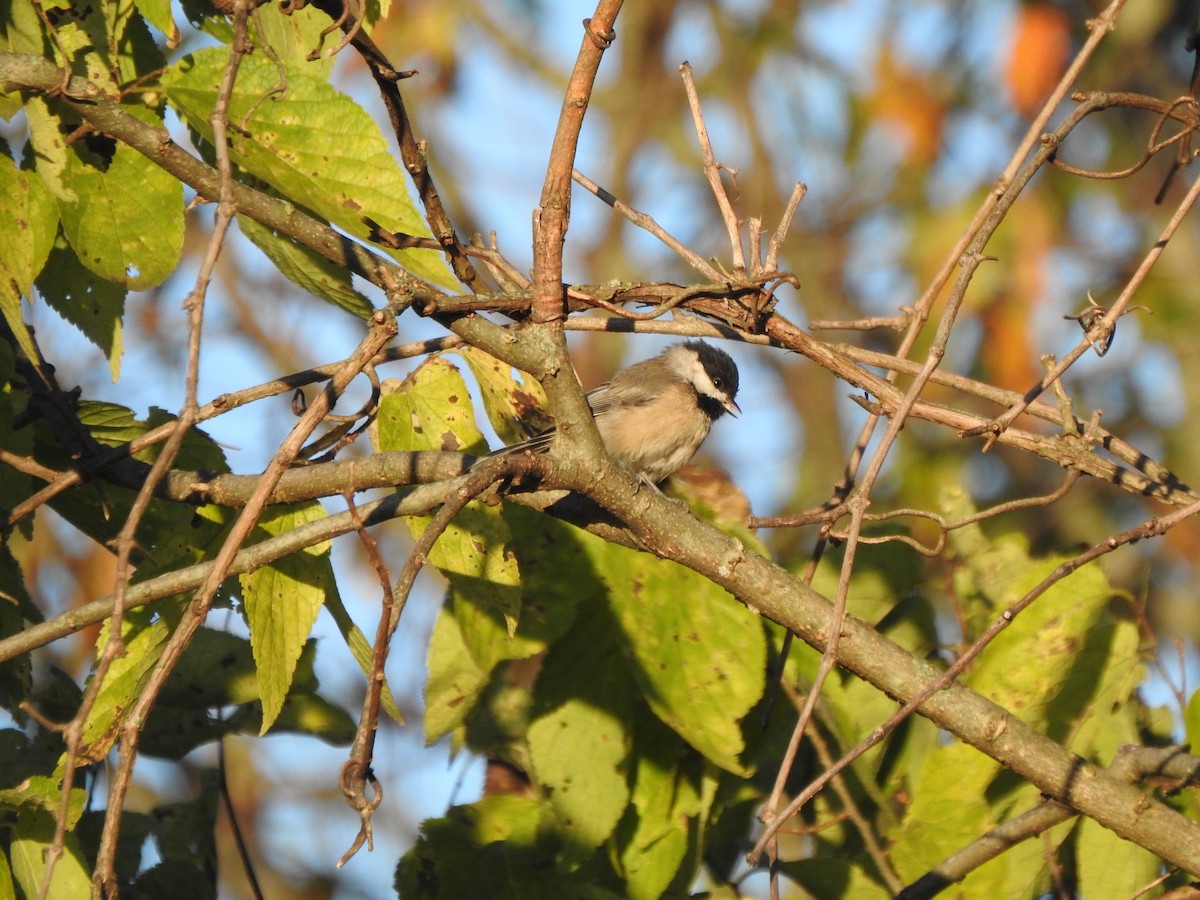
{"x":654,"y":415}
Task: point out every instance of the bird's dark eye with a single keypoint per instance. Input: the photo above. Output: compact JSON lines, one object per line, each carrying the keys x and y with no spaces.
{"x":718,"y":384}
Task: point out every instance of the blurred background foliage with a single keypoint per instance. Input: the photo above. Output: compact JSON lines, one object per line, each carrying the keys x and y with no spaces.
{"x":898,"y":117}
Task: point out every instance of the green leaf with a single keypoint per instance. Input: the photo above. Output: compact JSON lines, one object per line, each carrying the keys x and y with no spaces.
{"x":29,"y":226}
{"x":485,"y":582}
{"x":22,"y":32}
{"x":109,"y":423}
{"x":454,"y":683}
{"x":282,"y":601}
{"x":432,"y":410}
{"x":8,"y":890}
{"x":114,"y":425}
{"x":24,"y":760}
{"x":959,"y":795}
{"x":495,"y":848}
{"x":698,"y":654}
{"x":1110,"y":867}
{"x":1055,"y":663}
{"x":158,"y":14}
{"x":217,"y":669}
{"x":1036,"y":663}
{"x":121,"y":213}
{"x":1191,"y":719}
{"x":577,"y":752}
{"x":145,"y":634}
{"x":168,"y":531}
{"x":43,"y":794}
{"x":172,"y":733}
{"x":312,"y":143}
{"x":1100,"y":698}
{"x":26,"y":237}
{"x":826,"y":877}
{"x":429,"y":410}
{"x":307,"y":269}
{"x":92,"y":304}
{"x":543,"y":550}
{"x":198,"y":451}
{"x":654,"y":842}
{"x":185,"y":831}
{"x":578,"y":738}
{"x":31,"y":839}
{"x":651,"y":864}
{"x":15,"y":607}
{"x":292,"y":37}
{"x":15,"y":487}
{"x":949,"y":809}
{"x":175,"y":879}
{"x":314,"y":716}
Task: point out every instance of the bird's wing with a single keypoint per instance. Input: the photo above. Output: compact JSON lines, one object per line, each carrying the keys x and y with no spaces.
{"x":622,"y":391}
{"x":627,"y":388}
{"x":536,"y":444}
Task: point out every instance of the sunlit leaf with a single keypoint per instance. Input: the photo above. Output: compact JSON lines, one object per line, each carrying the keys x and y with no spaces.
{"x":282,"y":601}
{"x":28,"y":234}
{"x":310,"y":142}
{"x":454,"y":681}
{"x":32,"y":835}
{"x":307,"y":270}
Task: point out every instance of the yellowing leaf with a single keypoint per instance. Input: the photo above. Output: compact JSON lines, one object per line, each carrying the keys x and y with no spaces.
{"x":25,"y":240}
{"x":506,"y":400}
{"x":454,"y":682}
{"x":312,"y":143}
{"x":577,"y":750}
{"x":432,"y":410}
{"x":31,"y":837}
{"x":144,"y":642}
{"x":282,"y":602}
{"x":306,"y":269}
{"x":121,"y":213}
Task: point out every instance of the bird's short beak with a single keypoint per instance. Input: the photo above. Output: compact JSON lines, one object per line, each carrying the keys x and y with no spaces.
{"x":732,"y":407}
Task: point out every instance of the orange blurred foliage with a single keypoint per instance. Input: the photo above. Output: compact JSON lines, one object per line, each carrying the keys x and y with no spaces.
{"x":903,"y":99}
{"x":1038,"y":56}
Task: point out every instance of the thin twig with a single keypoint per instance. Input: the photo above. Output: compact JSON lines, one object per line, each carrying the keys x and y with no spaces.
{"x":553,"y":213}
{"x":239,"y":838}
{"x":647,"y":223}
{"x":713,"y":172}
{"x":412,"y":151}
{"x":969,"y":253}
{"x":1132,"y":763}
{"x":218,"y":406}
{"x":356,"y":773}
{"x":785,"y":224}
{"x":861,"y":824}
{"x":1103,"y":326}
{"x":104,"y":878}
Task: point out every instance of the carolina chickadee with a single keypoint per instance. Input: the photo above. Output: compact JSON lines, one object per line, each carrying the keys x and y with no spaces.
{"x":654,"y":415}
